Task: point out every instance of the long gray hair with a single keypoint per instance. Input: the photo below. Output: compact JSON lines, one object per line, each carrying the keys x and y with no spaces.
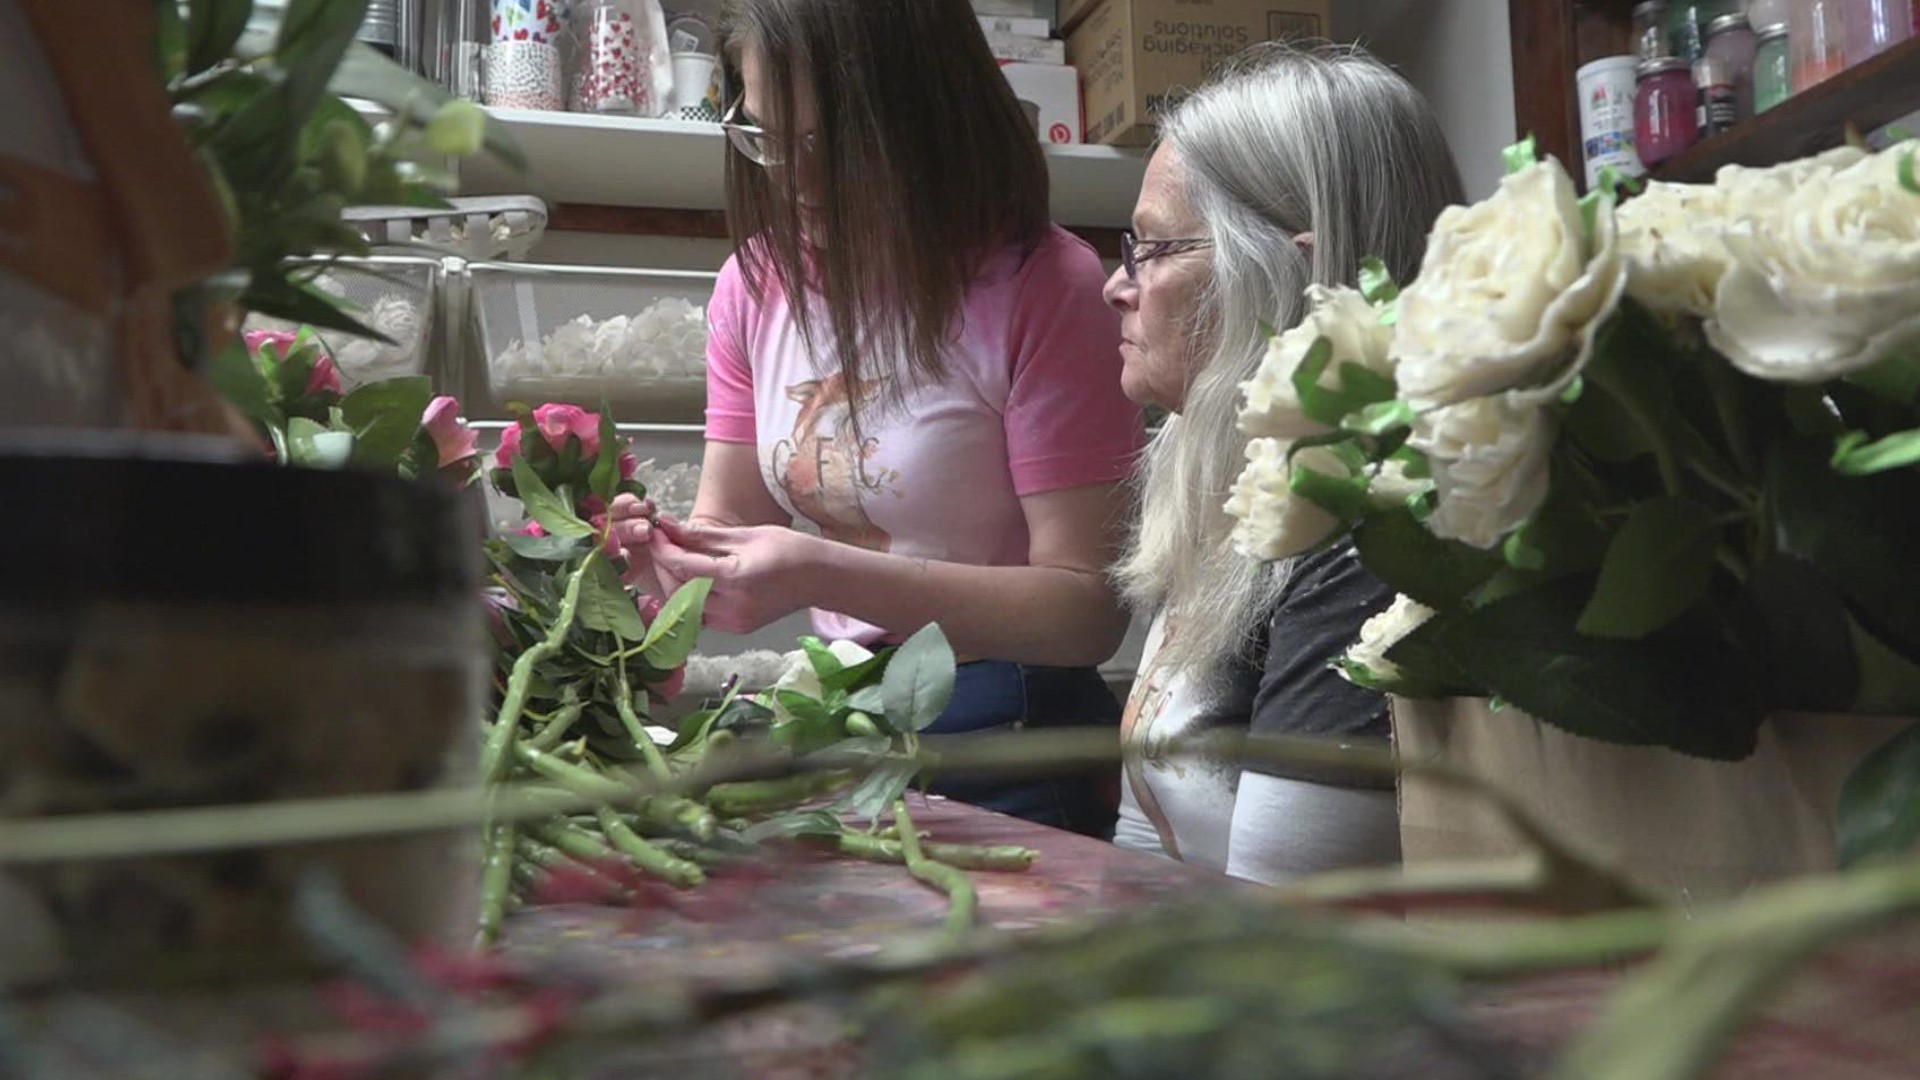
{"x":1287,"y":140}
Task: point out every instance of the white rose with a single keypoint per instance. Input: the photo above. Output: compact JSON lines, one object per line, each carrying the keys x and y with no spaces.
{"x":1787,"y":176}
{"x":1510,"y":294}
{"x":1350,"y":324}
{"x":1672,"y":241}
{"x":1381,"y":633}
{"x":1489,"y":460}
{"x":1391,"y":486}
{"x":800,"y":677}
{"x":1825,"y":277}
{"x":1274,"y":523}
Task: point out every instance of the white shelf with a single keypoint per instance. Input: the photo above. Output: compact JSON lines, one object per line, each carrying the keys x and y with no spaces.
{"x":624,"y":161}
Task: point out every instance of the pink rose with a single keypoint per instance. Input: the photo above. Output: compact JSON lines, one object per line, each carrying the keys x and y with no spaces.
{"x":670,"y":689}
{"x":509,"y":447}
{"x":532,"y":528}
{"x":282,"y":341}
{"x":557,"y":421}
{"x":628,"y":466}
{"x":454,"y":440}
{"x":324,"y":378}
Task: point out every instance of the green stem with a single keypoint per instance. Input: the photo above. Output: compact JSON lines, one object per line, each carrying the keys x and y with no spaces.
{"x":749,"y":797}
{"x":958,"y":887}
{"x":577,"y":843}
{"x":1005,"y":858}
{"x":495,"y":879}
{"x":579,"y":780}
{"x":646,"y":856}
{"x":656,"y":764}
{"x":493,"y":761}
{"x":562,"y":722}
{"x":676,"y":815}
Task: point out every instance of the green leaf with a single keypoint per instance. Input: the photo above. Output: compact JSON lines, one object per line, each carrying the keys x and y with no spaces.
{"x":607,"y":606}
{"x":1601,"y":425}
{"x":543,"y":506}
{"x":1889,"y":683}
{"x":1520,"y":155}
{"x":234,"y":374}
{"x":671,"y":638}
{"x":1907,"y":179}
{"x":1880,"y":804}
{"x":1683,"y":687}
{"x":310,"y":445}
{"x":812,"y":728}
{"x":1895,"y":378}
{"x":793,"y":825}
{"x":1345,"y":497}
{"x":1379,"y":418}
{"x":803,"y":707}
{"x":1794,"y":622}
{"x":1854,"y":456}
{"x":553,"y":549}
{"x":877,"y":792}
{"x":313,"y":40}
{"x":365,"y":73}
{"x":919,"y":680}
{"x":854,"y":675}
{"x":213,"y":28}
{"x":1376,"y":282}
{"x":1657,"y":567}
{"x":743,"y":715}
{"x":385,"y":417}
{"x":458,"y":129}
{"x":1861,"y":532}
{"x":170,"y":42}
{"x":1401,"y":552}
{"x":825,"y":664}
{"x":869,"y":699}
{"x":604,"y":481}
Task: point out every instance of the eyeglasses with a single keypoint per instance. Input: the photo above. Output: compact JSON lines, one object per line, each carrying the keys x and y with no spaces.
{"x":1134,"y":251}
{"x":753,"y":142}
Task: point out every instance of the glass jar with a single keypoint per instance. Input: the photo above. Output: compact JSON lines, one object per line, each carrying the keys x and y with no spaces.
{"x":1716,"y":108}
{"x":1765,"y":13}
{"x":1874,"y":26}
{"x":1818,"y":41}
{"x":1687,"y":25}
{"x":1665,"y":105}
{"x":198,"y":630}
{"x":1731,"y":41}
{"x":1650,"y":30}
{"x":1772,"y":69}
{"x":610,"y":59}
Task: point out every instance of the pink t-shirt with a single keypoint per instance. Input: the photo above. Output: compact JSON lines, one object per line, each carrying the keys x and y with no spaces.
{"x":1031,"y":403}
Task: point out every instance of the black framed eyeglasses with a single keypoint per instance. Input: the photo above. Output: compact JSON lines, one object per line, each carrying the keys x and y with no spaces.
{"x":752,"y":141}
{"x":1134,"y":251}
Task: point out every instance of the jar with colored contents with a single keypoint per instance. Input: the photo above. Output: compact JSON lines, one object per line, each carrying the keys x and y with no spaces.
{"x":1664,"y":120}
{"x":1772,"y":69}
{"x":1687,"y":22}
{"x":1731,"y":42}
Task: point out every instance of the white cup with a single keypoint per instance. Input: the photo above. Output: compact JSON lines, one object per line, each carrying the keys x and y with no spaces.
{"x":692,"y":73}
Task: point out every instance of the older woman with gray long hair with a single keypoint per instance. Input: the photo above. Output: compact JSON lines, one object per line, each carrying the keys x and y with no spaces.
{"x":1286,"y":171}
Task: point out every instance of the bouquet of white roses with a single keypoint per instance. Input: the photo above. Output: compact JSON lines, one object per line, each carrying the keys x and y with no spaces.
{"x":1643,"y":469}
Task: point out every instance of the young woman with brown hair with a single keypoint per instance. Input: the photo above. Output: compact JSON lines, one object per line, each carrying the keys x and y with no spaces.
{"x":907,"y":358}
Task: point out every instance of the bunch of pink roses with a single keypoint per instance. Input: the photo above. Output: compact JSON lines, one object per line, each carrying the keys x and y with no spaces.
{"x":563,"y":445}
{"x":300,"y":376}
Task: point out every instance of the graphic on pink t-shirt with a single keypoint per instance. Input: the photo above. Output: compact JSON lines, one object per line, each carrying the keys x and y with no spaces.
{"x":822,"y":466}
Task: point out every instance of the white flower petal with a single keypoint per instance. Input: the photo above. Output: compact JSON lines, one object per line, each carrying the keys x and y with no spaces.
{"x":1273,"y":522}
{"x":1489,"y":458}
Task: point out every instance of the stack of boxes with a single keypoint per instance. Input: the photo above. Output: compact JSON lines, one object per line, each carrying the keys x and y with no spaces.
{"x":1020,"y":32}
{"x":1123,"y":62}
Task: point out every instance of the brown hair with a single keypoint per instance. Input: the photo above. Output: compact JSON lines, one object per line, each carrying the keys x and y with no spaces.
{"x":923,"y":166}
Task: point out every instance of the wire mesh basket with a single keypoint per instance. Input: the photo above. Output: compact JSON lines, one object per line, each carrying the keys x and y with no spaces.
{"x":493,"y":227}
{"x":631,"y":340}
{"x":395,"y":295}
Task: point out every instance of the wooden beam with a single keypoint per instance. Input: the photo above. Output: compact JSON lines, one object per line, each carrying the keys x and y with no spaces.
{"x":712,"y":224}
{"x":1545,"y":56}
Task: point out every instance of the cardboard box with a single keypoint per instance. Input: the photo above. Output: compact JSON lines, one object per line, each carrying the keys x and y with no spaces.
{"x":1016,"y":27}
{"x":1139,"y":58}
{"x":1051,"y":94}
{"x":1074,"y":12}
{"x":1027,"y":50}
{"x":1031,"y":9}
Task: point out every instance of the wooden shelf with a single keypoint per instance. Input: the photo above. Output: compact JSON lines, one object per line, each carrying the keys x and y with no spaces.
{"x":612,"y":161}
{"x":1869,"y":96}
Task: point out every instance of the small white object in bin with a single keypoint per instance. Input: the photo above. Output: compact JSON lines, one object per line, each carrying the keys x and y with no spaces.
{"x":1051,"y":92}
{"x":490,"y":227}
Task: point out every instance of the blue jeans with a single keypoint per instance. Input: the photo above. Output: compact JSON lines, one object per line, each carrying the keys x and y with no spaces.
{"x":998,"y":696}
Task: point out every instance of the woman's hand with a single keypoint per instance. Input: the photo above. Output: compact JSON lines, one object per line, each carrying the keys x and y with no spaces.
{"x":632,"y":533}
{"x":760,"y":574}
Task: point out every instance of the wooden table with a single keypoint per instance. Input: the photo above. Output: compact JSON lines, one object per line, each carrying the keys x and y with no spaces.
{"x":817,"y":905}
